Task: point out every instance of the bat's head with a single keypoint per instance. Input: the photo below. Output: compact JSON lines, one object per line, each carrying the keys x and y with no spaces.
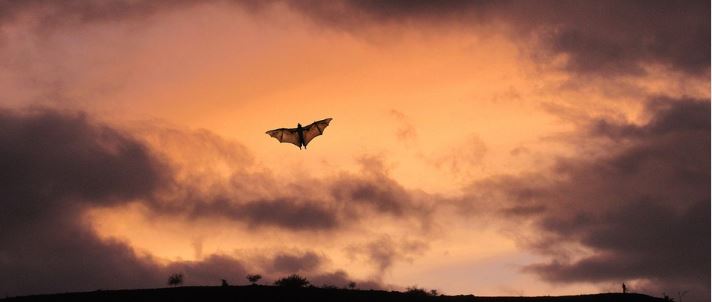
{"x":299,"y":125}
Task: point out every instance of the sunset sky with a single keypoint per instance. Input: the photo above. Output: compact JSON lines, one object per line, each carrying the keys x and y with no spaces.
{"x":477,"y":147}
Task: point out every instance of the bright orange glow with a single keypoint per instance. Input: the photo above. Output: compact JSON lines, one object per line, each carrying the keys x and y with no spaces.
{"x":440,"y":108}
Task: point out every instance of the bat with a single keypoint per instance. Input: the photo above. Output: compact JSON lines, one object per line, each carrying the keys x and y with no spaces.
{"x":300,"y":136}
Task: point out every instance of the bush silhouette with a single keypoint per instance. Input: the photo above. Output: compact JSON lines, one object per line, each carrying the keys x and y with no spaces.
{"x":254,"y":278}
{"x":417,"y":291}
{"x":293,"y":280}
{"x":352,"y":285}
{"x":175,"y":279}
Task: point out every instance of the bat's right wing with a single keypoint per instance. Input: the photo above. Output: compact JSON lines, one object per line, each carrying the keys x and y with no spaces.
{"x":286,"y":135}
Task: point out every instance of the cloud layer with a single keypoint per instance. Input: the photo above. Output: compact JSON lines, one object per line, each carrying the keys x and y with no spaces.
{"x":637,"y":209}
{"x":596,"y":37}
{"x":56,"y":166}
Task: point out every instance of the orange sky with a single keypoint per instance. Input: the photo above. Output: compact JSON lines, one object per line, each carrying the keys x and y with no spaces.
{"x":433,"y":107}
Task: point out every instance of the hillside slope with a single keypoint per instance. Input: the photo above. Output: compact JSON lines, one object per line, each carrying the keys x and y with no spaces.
{"x":273,"y":293}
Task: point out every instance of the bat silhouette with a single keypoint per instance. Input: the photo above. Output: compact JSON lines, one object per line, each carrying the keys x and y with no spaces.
{"x":300,"y":136}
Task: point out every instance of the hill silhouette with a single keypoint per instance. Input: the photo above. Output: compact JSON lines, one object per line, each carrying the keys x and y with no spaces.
{"x":277,"y":293}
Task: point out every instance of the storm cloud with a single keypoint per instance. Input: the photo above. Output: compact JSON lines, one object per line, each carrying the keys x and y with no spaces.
{"x":289,"y":263}
{"x":595,"y":37}
{"x":309,"y":205}
{"x":636,"y":210}
{"x":57,"y":165}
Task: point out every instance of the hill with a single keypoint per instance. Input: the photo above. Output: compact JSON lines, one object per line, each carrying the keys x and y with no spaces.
{"x":274,"y":293}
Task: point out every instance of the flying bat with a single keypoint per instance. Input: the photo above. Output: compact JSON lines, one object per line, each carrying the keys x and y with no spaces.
{"x":300,"y":136}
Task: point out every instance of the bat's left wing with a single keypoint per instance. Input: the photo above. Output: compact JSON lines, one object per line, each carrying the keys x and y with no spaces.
{"x":286,"y":135}
{"x":315,"y":129}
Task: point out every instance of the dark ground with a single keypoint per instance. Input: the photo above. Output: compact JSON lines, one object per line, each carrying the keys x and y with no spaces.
{"x":273,"y":293}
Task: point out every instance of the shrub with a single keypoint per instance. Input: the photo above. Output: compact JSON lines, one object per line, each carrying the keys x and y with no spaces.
{"x":293,"y":280}
{"x":175,"y":279}
{"x":254,"y":278}
{"x":417,"y":291}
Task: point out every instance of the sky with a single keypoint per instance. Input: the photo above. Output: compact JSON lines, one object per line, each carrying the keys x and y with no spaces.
{"x":477,"y":147}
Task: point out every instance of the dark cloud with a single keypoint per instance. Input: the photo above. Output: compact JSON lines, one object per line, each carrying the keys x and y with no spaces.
{"x":208,"y":271}
{"x":77,"y":11}
{"x":342,"y":279}
{"x":55,"y":165}
{"x":380,"y":194}
{"x":640,"y":209}
{"x":618,"y":37}
{"x":597,"y":37}
{"x":354,"y":15}
{"x":292,"y":263}
{"x":311,"y":265}
{"x":310,"y":205}
{"x":605,"y":37}
{"x":54,"y":162}
{"x":286,"y":213}
{"x":384,"y":252}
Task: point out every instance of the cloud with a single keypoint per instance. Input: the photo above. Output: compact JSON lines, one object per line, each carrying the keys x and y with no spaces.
{"x":77,"y":11}
{"x":601,"y":38}
{"x":596,"y":37}
{"x":406,"y":132}
{"x":638,"y":209}
{"x":58,"y":165}
{"x":384,"y":252}
{"x":462,"y":158}
{"x":54,"y":166}
{"x":208,"y":271}
{"x":303,"y":205}
{"x":342,"y":279}
{"x":286,"y":213}
{"x":620,"y":37}
{"x":54,"y":161}
{"x":290,"y":263}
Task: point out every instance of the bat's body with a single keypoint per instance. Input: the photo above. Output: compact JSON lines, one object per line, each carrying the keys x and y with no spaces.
{"x":300,"y":132}
{"x":300,"y":136}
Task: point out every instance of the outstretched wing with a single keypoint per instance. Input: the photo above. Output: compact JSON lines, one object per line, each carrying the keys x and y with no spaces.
{"x":286,"y":135}
{"x":315,"y":129}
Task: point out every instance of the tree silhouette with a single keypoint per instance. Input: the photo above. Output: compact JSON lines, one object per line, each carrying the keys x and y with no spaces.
{"x":417,"y":291}
{"x":352,"y":285}
{"x":254,"y":278}
{"x":292,"y":280}
{"x":175,"y":279}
